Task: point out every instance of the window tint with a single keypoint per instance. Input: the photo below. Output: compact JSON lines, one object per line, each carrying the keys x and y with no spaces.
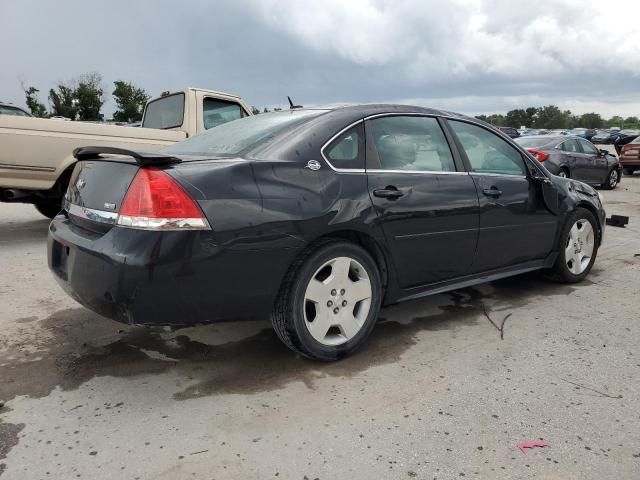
{"x":488,"y":153}
{"x":347,"y":151}
{"x":570,"y":146}
{"x":411,"y":143}
{"x":166,"y":112}
{"x":216,"y":112}
{"x":588,"y":148}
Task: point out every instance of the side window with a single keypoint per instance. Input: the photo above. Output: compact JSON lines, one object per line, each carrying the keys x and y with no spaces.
{"x":588,"y":148}
{"x":216,"y":112}
{"x":347,"y":151}
{"x":570,"y":146}
{"x":410,"y":143}
{"x":488,"y":153}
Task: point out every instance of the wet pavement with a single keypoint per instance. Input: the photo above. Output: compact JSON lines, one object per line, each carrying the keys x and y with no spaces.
{"x":435,"y":392}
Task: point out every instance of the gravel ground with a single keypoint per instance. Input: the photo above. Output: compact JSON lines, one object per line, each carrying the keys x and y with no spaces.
{"x":435,"y":393}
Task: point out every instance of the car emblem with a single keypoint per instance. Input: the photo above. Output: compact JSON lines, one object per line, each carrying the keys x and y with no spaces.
{"x":110,"y":206}
{"x":80,"y":183}
{"x":313,"y":165}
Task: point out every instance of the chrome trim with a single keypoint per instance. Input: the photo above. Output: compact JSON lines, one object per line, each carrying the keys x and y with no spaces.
{"x":430,"y":172}
{"x":326,"y":144}
{"x":498,"y":175}
{"x":364,"y":170}
{"x":403,"y":114}
{"x":92,"y":214}
{"x":9,"y":166}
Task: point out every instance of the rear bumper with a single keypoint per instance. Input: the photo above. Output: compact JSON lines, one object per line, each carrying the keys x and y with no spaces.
{"x":163,"y":278}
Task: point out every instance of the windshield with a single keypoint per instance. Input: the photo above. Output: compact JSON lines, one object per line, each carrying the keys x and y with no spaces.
{"x":234,"y":137}
{"x":166,"y":112}
{"x":533,"y":142}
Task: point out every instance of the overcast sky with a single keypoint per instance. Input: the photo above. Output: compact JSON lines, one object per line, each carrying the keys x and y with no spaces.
{"x":471,"y":56}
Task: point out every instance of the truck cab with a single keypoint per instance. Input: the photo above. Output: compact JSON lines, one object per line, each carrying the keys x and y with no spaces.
{"x":193,"y":110}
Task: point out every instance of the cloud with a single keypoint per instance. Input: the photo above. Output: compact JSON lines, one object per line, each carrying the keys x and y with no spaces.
{"x":476,"y":55}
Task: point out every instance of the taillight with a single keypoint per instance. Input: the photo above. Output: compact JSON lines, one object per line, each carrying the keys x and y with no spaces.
{"x":155,"y":201}
{"x":540,"y":156}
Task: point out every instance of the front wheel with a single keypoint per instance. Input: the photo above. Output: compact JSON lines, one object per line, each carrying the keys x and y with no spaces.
{"x":329,"y":301}
{"x":49,"y":207}
{"x":612,"y":180}
{"x":578,"y":247}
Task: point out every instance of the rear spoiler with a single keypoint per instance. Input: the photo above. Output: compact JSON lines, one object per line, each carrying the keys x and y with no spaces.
{"x":143,"y":159}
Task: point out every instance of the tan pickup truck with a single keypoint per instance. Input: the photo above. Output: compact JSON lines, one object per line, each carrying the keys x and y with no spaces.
{"x":36,"y":154}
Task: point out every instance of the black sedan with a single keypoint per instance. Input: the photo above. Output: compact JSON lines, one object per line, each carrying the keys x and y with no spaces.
{"x":575,"y":157}
{"x":317,"y":218}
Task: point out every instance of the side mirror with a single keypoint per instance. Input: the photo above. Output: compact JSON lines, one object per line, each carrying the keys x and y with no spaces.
{"x":604,"y":153}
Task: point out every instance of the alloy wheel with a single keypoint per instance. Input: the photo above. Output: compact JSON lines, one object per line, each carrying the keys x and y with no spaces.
{"x":613,"y":179}
{"x":337,"y":301}
{"x":563,"y":174}
{"x":580,"y":246}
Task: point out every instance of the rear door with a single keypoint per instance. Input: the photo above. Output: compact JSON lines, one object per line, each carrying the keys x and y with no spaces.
{"x":573,"y":157}
{"x":515,"y":224}
{"x":426,"y":204}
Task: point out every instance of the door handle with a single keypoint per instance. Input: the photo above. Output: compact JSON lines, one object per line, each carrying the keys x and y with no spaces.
{"x":392,"y":193}
{"x":492,"y":192}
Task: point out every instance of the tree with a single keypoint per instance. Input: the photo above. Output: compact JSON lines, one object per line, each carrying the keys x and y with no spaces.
{"x":631,"y":122}
{"x":517,"y":118}
{"x":551,"y":117}
{"x":37,"y":109}
{"x":88,"y":95}
{"x":591,"y":120}
{"x":63,"y":102}
{"x":130,"y":101}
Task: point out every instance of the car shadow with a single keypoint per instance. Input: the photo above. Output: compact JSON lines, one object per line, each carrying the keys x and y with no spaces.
{"x":81,"y":345}
{"x":14,"y":232}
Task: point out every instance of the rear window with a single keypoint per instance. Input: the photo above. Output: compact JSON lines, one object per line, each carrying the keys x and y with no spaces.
{"x":533,"y":142}
{"x":166,"y":112}
{"x":239,"y":135}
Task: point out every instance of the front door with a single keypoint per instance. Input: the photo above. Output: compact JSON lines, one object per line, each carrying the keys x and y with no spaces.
{"x":595,"y":163}
{"x":427,"y":206}
{"x":515,"y":224}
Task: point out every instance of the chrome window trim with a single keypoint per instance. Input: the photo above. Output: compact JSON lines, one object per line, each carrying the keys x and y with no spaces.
{"x":328,"y":142}
{"x":498,"y":174}
{"x":429,"y":172}
{"x":91,"y":214}
{"x":364,"y":170}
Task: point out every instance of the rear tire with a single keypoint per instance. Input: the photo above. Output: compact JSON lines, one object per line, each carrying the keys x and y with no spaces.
{"x":564,"y":173}
{"x":49,"y":207}
{"x":612,"y":180}
{"x":336,"y":284}
{"x":578,"y":247}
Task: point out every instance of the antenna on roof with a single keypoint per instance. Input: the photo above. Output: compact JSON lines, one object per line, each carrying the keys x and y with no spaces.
{"x":291,"y":105}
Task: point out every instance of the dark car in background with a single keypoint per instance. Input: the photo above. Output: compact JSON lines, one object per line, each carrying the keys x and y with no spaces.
{"x":316,"y":218}
{"x":630,"y":156}
{"x":574,"y":157}
{"x":604,"y":137}
{"x":510,"y":131}
{"x":586,"y":133}
{"x":624,"y":137}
